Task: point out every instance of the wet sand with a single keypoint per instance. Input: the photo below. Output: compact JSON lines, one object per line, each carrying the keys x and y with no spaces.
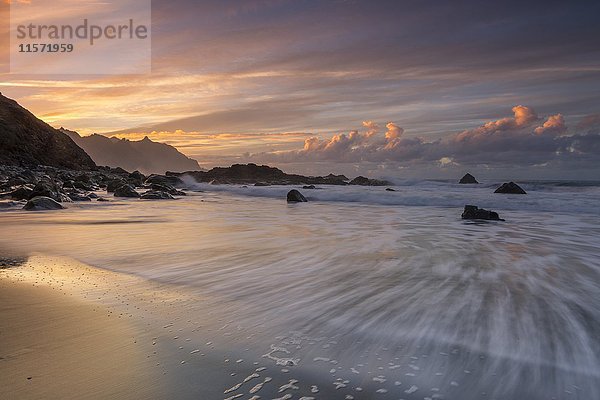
{"x":54,"y":346}
{"x":72,"y":331}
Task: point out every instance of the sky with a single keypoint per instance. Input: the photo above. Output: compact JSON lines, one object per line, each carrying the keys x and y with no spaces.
{"x":379,"y":88}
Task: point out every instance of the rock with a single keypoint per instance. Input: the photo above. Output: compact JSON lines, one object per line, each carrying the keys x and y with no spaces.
{"x":47,"y":189}
{"x":295,"y":196}
{"x":92,"y":195}
{"x":22,"y":193}
{"x":102,"y":199}
{"x":390,"y":190}
{"x":468,"y":179}
{"x":309,"y":187}
{"x":261,"y":184}
{"x":27,"y":141}
{"x":41,"y":203}
{"x":8,"y":204}
{"x":167,"y":188}
{"x":79,"y":197}
{"x":136,"y":178}
{"x":157,"y":195}
{"x":111,"y":186}
{"x":163,"y":180}
{"x":126,"y":191}
{"x":474,"y":212}
{"x":362,"y":181}
{"x":510,"y":188}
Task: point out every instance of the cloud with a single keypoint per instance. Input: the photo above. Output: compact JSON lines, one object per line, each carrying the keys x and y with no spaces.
{"x":523,"y":116}
{"x":524,"y":139}
{"x":555,"y":125}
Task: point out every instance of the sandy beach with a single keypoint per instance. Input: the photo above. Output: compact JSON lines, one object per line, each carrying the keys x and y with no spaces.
{"x":72,"y":331}
{"x":55,"y":346}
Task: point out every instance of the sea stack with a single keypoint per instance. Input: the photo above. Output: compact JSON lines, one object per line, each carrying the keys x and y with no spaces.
{"x":468,"y":178}
{"x":510,"y":188}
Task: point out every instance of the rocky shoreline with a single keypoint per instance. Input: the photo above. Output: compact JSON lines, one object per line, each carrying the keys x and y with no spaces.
{"x":46,"y":187}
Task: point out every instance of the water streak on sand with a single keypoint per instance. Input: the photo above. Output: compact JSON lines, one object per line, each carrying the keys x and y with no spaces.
{"x":361,"y":282}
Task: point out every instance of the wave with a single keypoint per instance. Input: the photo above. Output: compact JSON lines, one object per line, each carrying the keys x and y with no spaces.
{"x":563,"y":197}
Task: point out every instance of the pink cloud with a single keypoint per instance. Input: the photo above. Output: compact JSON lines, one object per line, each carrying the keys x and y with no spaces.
{"x":555,"y":124}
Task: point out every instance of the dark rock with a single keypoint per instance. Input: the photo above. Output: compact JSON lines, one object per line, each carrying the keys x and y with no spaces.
{"x":27,"y":141}
{"x":8,"y":204}
{"x":246,"y":174}
{"x":468,"y":179}
{"x":362,"y":181}
{"x":157,"y":195}
{"x":262,"y":184}
{"x":169,"y":180}
{"x":119,"y":171}
{"x":79,"y":197}
{"x":47,"y":189}
{"x":41,"y":203}
{"x":22,"y":193}
{"x":136,"y":178}
{"x":126,"y":191}
{"x":309,"y":187}
{"x":474,"y":212}
{"x":390,"y":190}
{"x":17,"y":181}
{"x":510,"y":188}
{"x":102,"y":199}
{"x":295,"y":196}
{"x":83,"y":185}
{"x":113,"y":185}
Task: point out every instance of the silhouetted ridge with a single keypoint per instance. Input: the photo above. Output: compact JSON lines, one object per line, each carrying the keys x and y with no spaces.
{"x":26,"y":141}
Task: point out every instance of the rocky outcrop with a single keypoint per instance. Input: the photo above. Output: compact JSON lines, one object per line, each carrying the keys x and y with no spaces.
{"x":474,"y":212}
{"x":468,"y":179}
{"x":27,"y":141}
{"x":510,"y":188}
{"x":251,"y":174}
{"x":295,"y":196}
{"x":42,"y":203}
{"x":362,"y":181}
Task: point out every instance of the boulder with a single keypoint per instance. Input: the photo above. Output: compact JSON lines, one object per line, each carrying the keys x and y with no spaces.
{"x":113,"y":185}
{"x":79,"y":197}
{"x":167,"y":188}
{"x":510,"y":188}
{"x":390,"y":190}
{"x":136,"y":178}
{"x":157,"y":195}
{"x":295,"y":196}
{"x":41,"y":203}
{"x":468,"y":179}
{"x":309,"y":187}
{"x":102,"y":199}
{"x":47,"y":189}
{"x":474,"y":212}
{"x":163,"y":180}
{"x":126,"y":191}
{"x":22,"y":193}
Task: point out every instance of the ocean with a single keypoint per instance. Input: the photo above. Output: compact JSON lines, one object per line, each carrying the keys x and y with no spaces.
{"x":362,"y":288}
